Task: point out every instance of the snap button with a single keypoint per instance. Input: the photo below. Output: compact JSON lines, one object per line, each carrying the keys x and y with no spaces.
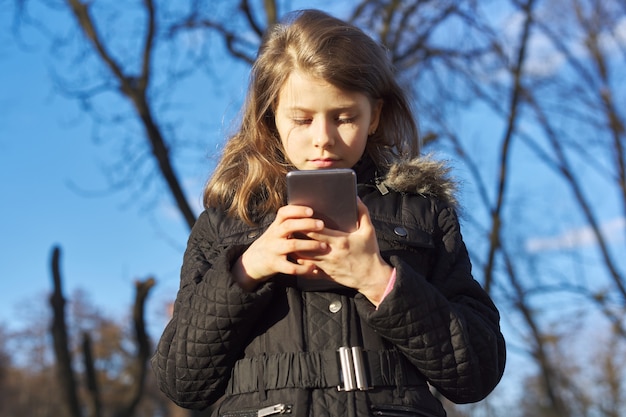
{"x":400,"y":231}
{"x":252,"y":234}
{"x":335,"y":306}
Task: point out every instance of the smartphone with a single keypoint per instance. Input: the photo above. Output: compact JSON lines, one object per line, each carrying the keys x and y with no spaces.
{"x":331,"y":193}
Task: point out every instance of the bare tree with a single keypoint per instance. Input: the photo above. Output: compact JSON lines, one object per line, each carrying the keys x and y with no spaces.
{"x":61,"y":340}
{"x":128,"y":397}
{"x":5,"y":367}
{"x":574,"y":109}
{"x":598,"y":101}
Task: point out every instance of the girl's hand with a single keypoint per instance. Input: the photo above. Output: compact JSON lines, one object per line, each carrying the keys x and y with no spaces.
{"x":268,"y":255}
{"x":350,"y":259}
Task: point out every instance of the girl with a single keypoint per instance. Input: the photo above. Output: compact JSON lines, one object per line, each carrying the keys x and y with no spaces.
{"x":399,"y":311}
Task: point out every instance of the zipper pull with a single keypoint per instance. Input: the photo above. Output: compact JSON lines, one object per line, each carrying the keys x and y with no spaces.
{"x":382,"y":188}
{"x":273,"y":410}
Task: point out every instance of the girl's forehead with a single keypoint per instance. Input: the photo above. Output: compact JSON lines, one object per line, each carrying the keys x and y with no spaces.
{"x":299,"y":78}
{"x":303,"y":90}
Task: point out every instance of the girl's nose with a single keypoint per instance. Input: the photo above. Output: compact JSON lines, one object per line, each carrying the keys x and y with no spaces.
{"x":324,"y":134}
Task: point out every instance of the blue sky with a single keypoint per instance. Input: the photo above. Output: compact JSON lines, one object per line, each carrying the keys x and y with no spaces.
{"x":47,"y":152}
{"x":53,"y":185}
{"x":47,"y":156}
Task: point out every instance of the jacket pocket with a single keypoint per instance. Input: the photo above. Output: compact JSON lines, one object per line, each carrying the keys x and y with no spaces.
{"x":390,"y":410}
{"x":272,"y":410}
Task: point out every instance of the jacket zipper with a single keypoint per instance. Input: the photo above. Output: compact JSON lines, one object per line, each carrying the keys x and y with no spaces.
{"x":273,"y":410}
{"x":382,"y":188}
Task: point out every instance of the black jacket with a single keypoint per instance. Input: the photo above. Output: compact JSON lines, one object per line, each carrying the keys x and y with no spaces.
{"x":279,"y":349}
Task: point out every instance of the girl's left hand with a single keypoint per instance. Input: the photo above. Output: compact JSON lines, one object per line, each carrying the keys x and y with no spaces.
{"x":351,"y":259}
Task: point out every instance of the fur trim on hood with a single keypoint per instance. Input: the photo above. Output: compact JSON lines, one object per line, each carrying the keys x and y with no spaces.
{"x":423,"y":175}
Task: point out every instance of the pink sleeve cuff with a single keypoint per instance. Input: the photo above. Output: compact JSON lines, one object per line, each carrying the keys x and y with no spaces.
{"x":390,"y":284}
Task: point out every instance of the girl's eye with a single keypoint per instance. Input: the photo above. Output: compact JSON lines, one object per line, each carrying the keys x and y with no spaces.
{"x":301,"y":122}
{"x":346,"y":120}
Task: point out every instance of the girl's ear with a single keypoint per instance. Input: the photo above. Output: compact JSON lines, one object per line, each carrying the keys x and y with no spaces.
{"x":377,"y":109}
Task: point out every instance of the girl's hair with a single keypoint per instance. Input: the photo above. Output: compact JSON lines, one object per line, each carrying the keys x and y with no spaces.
{"x":249,"y":180}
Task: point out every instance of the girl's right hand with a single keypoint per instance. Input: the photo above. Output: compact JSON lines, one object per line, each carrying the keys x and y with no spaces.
{"x":268,"y":255}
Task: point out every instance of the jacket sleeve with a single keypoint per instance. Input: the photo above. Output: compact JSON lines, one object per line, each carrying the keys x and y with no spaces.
{"x":211,"y":322}
{"x":445,"y":324}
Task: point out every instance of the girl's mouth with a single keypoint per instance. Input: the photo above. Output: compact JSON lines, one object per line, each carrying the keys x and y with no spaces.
{"x":323,"y":162}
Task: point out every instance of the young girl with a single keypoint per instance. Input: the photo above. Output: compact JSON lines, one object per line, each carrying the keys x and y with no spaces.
{"x":399,"y":312}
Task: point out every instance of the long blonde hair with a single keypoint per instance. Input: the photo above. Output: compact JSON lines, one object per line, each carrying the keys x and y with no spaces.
{"x":249,"y":180}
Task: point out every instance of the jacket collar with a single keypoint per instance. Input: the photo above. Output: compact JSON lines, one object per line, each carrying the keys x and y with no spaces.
{"x":422,"y":175}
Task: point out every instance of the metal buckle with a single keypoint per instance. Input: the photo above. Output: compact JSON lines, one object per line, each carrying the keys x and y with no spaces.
{"x":353,"y":373}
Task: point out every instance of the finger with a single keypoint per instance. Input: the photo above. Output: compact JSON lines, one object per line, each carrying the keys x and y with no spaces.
{"x":291,"y":211}
{"x":292,"y":227}
{"x":313,"y":269}
{"x":295,"y":268}
{"x":297,"y":245}
{"x":363,"y":212}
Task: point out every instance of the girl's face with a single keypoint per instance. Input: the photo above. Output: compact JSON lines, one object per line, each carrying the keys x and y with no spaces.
{"x":321,"y":126}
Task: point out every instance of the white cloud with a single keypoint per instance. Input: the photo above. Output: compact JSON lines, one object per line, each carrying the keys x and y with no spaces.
{"x":613,"y":39}
{"x":612,"y":230}
{"x":543,"y":58}
{"x":620,"y":31}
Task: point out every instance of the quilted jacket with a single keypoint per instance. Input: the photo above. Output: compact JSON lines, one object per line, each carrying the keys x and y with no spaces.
{"x":292,"y":347}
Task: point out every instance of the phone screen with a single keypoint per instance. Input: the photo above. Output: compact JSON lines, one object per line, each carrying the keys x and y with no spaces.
{"x":331,"y":193}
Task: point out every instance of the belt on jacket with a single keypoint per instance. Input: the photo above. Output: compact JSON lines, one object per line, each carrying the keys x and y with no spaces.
{"x":347,"y":369}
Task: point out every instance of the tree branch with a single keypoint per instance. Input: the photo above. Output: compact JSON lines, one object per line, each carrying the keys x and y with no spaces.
{"x":135,"y":88}
{"x":496,"y":212}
